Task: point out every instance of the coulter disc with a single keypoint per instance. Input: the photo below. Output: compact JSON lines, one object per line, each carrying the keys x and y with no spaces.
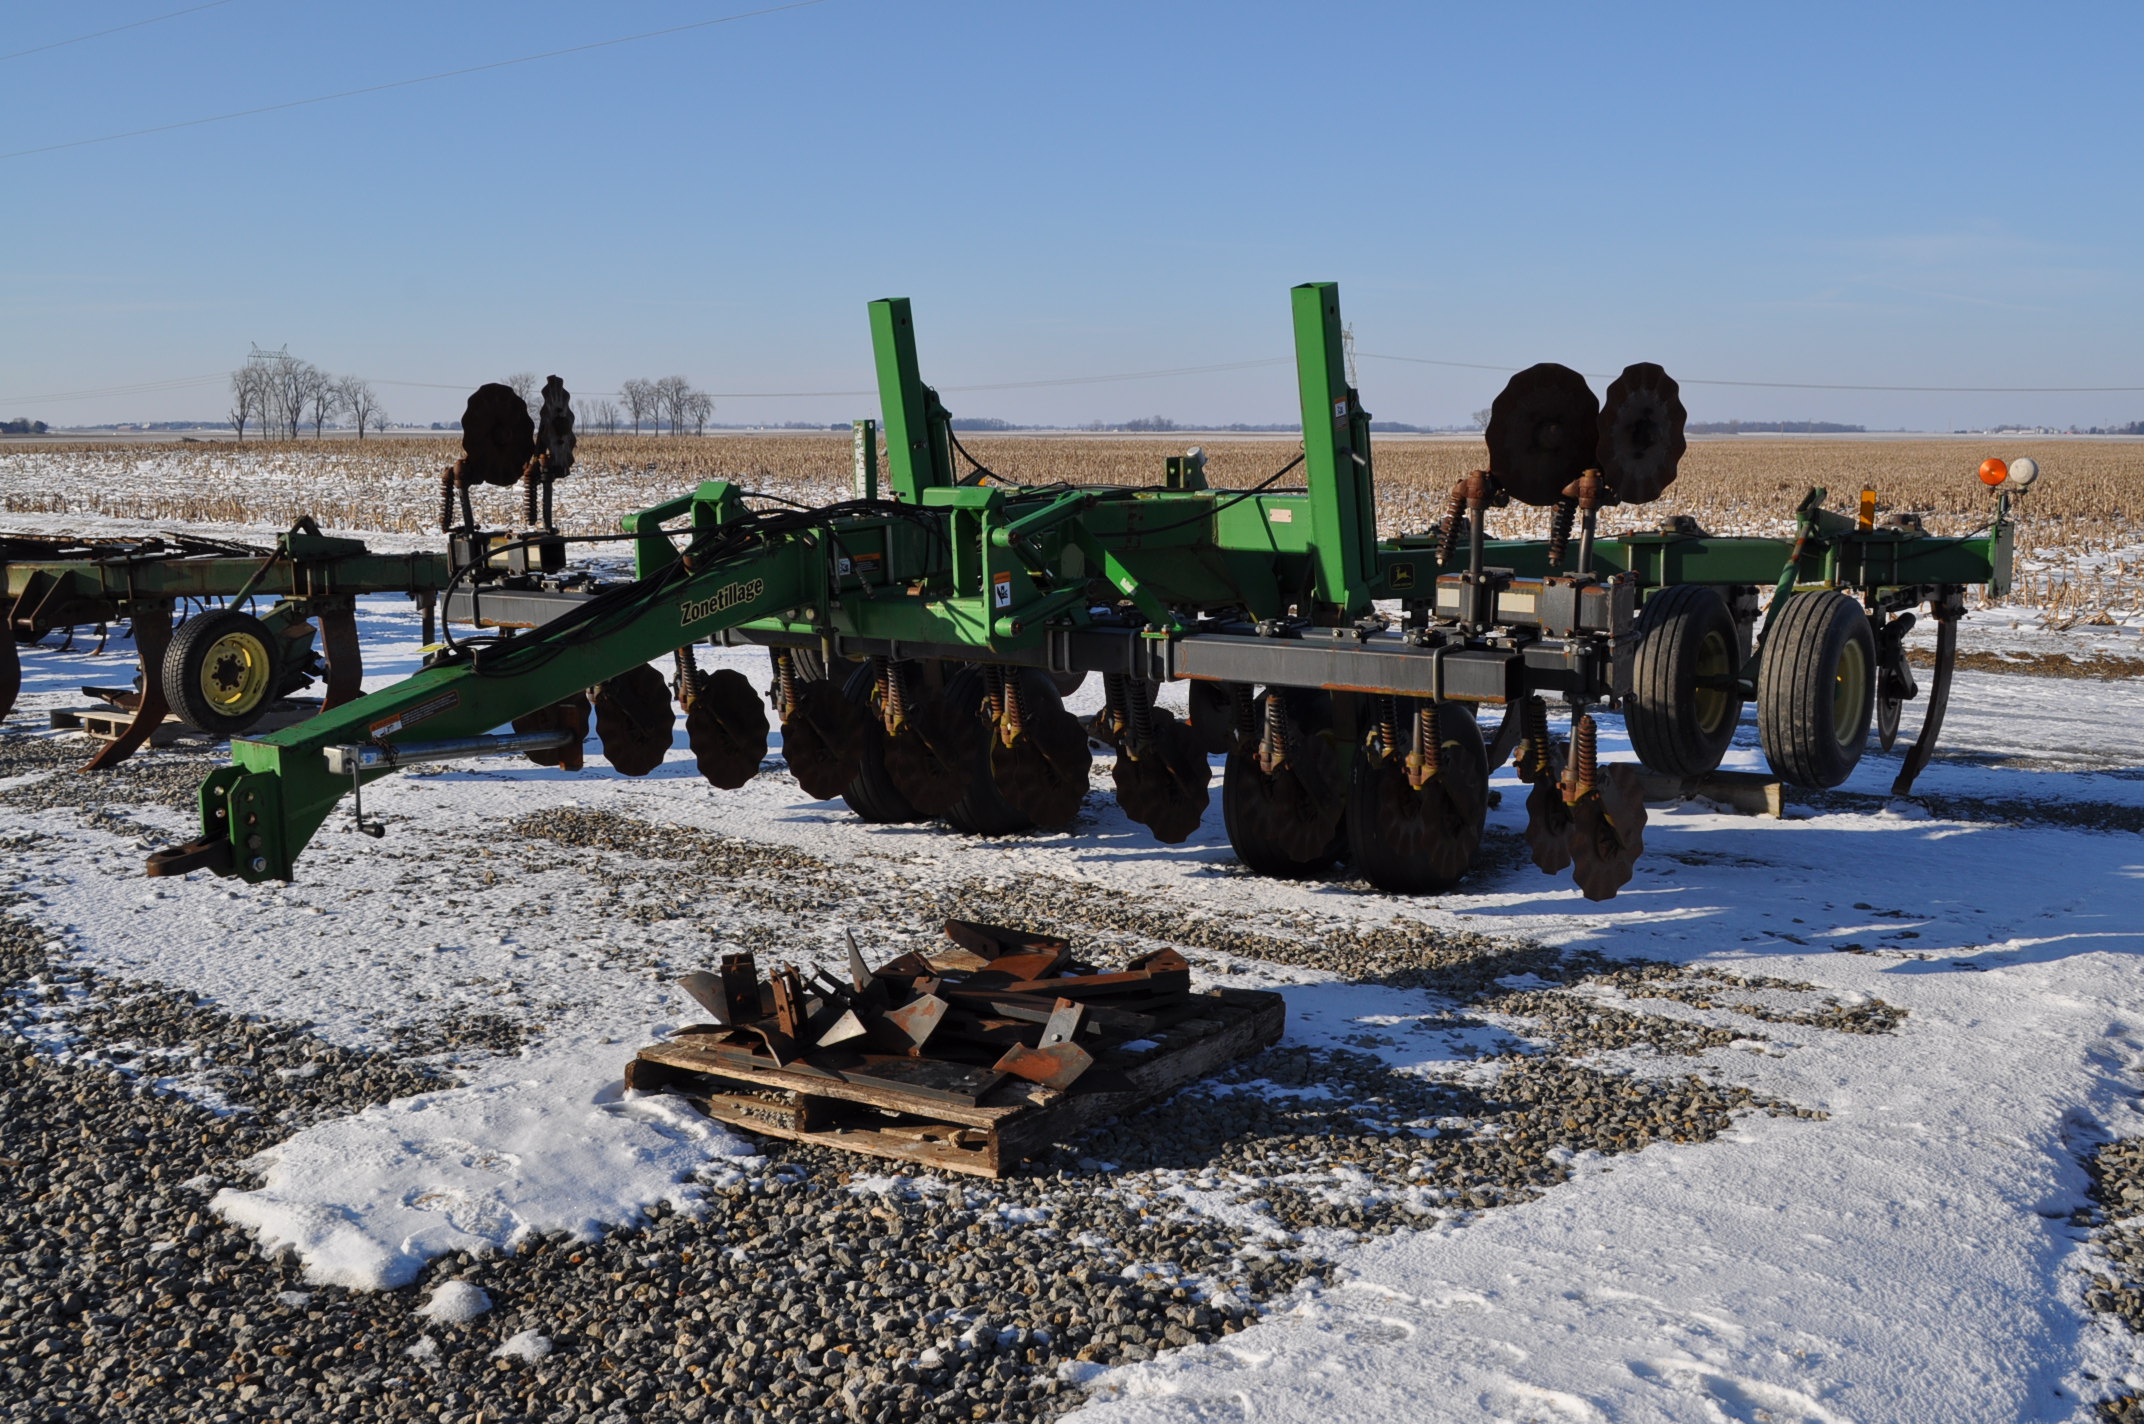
{"x":1542,"y":431}
{"x":568,"y":714}
{"x":1548,"y":827}
{"x":1292,"y":813}
{"x":1414,"y":842}
{"x":823,"y":739}
{"x":497,"y":436}
{"x":727,"y":728}
{"x":1165,"y":789}
{"x":1288,"y":823}
{"x":1043,"y":775}
{"x":1641,"y":439}
{"x":1608,"y":832}
{"x":934,"y":755}
{"x":633,"y":720}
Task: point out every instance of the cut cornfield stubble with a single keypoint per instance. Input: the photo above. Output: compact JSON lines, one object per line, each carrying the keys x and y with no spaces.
{"x":2080,"y":543}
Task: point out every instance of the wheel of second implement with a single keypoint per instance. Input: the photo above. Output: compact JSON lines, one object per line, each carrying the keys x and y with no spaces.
{"x":1419,"y":842}
{"x":1683,"y":704}
{"x":221,"y":671}
{"x":1816,"y":689}
{"x":872,"y":795}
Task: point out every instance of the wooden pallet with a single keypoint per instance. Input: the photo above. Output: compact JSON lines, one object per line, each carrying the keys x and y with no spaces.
{"x":107,"y":724}
{"x":1009,"y":1123}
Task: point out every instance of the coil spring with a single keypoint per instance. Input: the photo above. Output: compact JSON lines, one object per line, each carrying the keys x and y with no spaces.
{"x":1427,"y":745}
{"x":1015,"y":705}
{"x":688,"y":678}
{"x":785,"y":681}
{"x":1533,"y":758}
{"x":1245,"y":708}
{"x":1140,"y":700}
{"x":1274,"y":746}
{"x":446,"y":499}
{"x":1585,"y":753}
{"x":529,"y":497}
{"x":1454,"y":511}
{"x":1559,"y":530}
{"x":1388,"y":731}
{"x":892,"y":703}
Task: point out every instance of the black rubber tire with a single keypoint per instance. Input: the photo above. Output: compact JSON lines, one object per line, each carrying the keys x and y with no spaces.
{"x":1677,"y":728}
{"x":1466,"y":759}
{"x":252,"y":655}
{"x":872,"y":795}
{"x":1313,"y":714}
{"x":1813,"y":703}
{"x":983,"y":812}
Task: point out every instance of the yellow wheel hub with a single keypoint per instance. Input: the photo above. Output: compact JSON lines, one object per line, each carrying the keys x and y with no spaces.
{"x":234,"y":673}
{"x":1849,"y":694}
{"x":1714,"y":665}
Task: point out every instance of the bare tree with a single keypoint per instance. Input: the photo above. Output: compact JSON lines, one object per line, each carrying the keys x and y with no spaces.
{"x":671,"y":393}
{"x":603,"y":416}
{"x":699,"y":408}
{"x":246,"y":397}
{"x":529,"y":386}
{"x":323,"y":397}
{"x":357,"y":397}
{"x":1481,"y":418}
{"x":639,"y":398}
{"x":288,"y":384}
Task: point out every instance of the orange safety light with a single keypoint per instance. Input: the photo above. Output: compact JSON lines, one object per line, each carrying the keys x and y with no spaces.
{"x":1868,"y":510}
{"x":1993,"y":471}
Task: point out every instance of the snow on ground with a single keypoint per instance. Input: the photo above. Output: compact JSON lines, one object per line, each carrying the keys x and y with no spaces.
{"x":1908,"y":1257}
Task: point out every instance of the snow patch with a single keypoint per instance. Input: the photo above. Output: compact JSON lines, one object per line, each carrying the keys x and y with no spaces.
{"x":528,"y":1347}
{"x":456,"y":1303}
{"x":368,"y":1200}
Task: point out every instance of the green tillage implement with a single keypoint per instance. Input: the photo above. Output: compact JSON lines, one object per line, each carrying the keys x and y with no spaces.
{"x":222,"y":667}
{"x":964,"y":602}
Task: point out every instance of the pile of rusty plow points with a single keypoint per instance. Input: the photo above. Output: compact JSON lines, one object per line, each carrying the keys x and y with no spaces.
{"x":970,"y":1059}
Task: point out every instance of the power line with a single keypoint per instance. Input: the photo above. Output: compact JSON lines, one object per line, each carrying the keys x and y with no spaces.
{"x":183,"y":382}
{"x":1799,"y":385}
{"x":406,"y":83}
{"x":100,"y":34}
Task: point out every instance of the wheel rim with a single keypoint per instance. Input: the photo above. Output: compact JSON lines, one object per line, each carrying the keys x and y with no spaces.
{"x":234,"y":674}
{"x":1709,"y":703}
{"x":1849,"y":694}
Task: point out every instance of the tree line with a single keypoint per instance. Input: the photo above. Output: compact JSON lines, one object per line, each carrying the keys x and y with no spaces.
{"x":281,"y":393}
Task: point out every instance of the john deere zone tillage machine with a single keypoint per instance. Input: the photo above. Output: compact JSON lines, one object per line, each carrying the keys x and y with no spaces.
{"x":921,"y":636}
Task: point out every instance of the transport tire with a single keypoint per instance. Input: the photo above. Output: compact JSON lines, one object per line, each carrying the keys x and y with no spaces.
{"x":872,"y":795}
{"x":1816,"y":689}
{"x":221,"y":671}
{"x":1409,"y":842}
{"x":1680,"y":718}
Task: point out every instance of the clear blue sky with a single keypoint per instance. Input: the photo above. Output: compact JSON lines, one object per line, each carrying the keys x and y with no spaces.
{"x":1886,"y":195}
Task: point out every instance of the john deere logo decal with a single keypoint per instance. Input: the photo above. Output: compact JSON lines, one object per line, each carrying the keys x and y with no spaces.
{"x":694,"y":610}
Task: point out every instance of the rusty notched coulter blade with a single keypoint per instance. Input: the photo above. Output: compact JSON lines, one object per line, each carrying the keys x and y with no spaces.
{"x":971,"y":1058}
{"x":1000,"y":1003}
